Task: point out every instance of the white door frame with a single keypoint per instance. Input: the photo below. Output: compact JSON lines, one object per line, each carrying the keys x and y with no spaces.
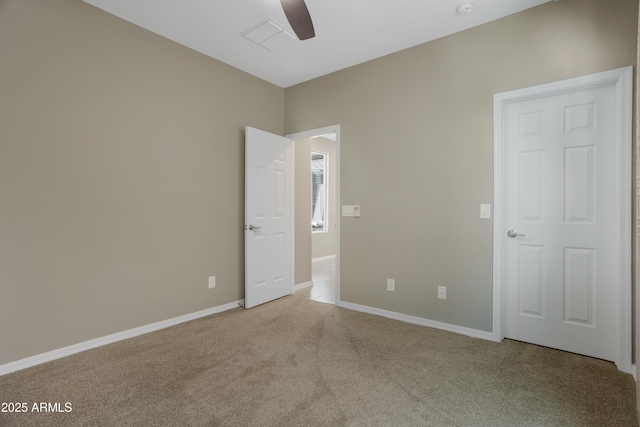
{"x":316,"y":132}
{"x":622,"y":79}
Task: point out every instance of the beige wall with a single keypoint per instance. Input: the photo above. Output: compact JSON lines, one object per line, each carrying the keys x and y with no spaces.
{"x":324,"y":244}
{"x":303,"y":240}
{"x":121,"y":175}
{"x":417,"y":148}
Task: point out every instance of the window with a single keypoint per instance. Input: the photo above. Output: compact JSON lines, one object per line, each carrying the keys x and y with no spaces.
{"x":318,"y":192}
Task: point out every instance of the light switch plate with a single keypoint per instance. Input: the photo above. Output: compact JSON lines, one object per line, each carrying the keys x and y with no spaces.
{"x":485,"y":211}
{"x":391,"y":285}
{"x":348,"y":210}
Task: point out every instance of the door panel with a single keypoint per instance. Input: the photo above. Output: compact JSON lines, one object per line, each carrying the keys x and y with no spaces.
{"x":530,"y":281}
{"x":268,"y":217}
{"x":579,"y":184}
{"x":560,"y":200}
{"x":579,"y":297}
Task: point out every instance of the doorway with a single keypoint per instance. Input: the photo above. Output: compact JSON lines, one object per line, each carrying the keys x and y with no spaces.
{"x":317,"y":220}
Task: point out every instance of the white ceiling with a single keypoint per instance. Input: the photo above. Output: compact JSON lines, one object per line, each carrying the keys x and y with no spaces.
{"x":348,"y":32}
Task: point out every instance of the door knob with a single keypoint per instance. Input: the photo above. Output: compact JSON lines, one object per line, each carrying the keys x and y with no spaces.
{"x":514,"y":233}
{"x":254,"y":227}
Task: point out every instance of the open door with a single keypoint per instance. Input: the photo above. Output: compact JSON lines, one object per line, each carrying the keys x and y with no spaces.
{"x":268,"y":217}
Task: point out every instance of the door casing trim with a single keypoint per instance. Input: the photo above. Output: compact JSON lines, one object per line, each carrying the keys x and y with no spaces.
{"x":622,"y":79}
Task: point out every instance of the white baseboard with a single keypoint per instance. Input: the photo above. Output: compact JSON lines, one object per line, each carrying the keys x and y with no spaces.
{"x":39,"y":359}
{"x":323,"y":258}
{"x":475,"y":333}
{"x":302,"y":286}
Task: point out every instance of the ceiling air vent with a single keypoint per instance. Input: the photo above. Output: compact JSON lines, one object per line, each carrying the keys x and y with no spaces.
{"x":269,"y":35}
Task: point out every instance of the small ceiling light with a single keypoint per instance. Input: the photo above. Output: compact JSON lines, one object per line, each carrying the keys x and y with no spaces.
{"x":465,"y":7}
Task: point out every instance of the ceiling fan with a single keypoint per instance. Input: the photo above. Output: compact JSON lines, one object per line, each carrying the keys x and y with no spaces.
{"x":299,"y":18}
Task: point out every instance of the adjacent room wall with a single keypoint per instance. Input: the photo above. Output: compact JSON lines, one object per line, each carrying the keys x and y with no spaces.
{"x":303,"y":240}
{"x":417,"y":148}
{"x":121,"y":175}
{"x":324,"y":244}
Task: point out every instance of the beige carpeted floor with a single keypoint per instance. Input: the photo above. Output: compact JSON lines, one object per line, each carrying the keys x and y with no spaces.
{"x":297,"y":362}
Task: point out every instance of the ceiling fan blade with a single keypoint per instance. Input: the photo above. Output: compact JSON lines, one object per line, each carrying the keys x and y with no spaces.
{"x":299,"y":18}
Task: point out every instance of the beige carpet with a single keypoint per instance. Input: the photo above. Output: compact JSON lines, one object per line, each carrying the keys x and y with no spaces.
{"x":296,"y":362}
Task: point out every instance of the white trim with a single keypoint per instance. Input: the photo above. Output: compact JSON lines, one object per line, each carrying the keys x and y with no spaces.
{"x":622,"y":79}
{"x":323,"y":258}
{"x":292,"y":267}
{"x":475,"y":333}
{"x":302,"y":285}
{"x":49,"y":356}
{"x":310,"y":134}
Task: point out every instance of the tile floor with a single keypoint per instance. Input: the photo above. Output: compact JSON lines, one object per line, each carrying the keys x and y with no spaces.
{"x":323,"y":275}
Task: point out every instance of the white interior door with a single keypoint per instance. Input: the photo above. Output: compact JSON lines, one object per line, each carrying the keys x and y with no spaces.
{"x":268,"y":217}
{"x":560,"y":221}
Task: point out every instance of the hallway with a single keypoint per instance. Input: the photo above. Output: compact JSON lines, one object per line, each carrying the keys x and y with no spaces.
{"x":323,"y":276}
